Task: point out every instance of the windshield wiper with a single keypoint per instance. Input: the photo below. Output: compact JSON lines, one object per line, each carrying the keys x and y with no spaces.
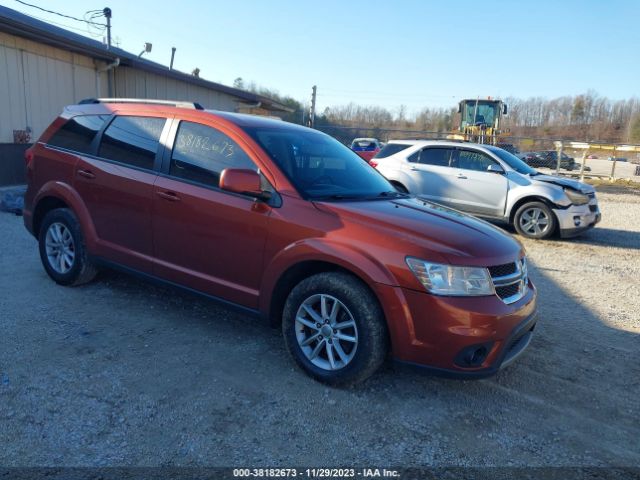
{"x":391,"y":194}
{"x":338,"y":196}
{"x":346,"y":196}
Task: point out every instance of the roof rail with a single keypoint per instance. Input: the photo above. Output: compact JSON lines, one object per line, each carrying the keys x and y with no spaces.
{"x":172,"y":103}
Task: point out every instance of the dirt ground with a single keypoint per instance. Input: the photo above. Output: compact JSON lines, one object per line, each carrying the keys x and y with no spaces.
{"x":119,"y":372}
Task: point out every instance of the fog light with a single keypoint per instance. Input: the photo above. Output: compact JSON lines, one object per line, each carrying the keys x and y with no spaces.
{"x":576,"y":221}
{"x":473,"y":355}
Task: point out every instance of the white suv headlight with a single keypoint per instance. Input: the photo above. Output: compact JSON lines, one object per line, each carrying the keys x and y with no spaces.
{"x":576,"y":198}
{"x":451,"y":280}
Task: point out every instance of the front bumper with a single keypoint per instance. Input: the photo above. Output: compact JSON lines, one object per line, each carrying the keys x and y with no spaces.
{"x":439,"y":334}
{"x":576,"y":219}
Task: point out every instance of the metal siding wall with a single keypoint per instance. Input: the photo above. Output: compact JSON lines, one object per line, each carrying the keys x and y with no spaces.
{"x":37,"y":81}
{"x":134,"y":83}
{"x":48,"y":87}
{"x":13,"y":116}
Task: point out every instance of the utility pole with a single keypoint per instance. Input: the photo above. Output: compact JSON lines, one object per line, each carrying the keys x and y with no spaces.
{"x":107,"y":13}
{"x":311,"y":121}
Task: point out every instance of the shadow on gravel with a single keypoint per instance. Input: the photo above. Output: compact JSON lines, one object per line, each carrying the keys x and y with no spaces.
{"x":571,"y":399}
{"x":121,"y":372}
{"x":609,"y":237}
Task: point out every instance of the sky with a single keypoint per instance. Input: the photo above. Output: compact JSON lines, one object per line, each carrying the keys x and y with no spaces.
{"x":411,"y":53}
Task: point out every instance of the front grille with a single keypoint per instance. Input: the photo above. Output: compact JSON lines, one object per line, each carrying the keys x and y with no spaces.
{"x":509,"y":280}
{"x":508,"y":290}
{"x":502,"y":270}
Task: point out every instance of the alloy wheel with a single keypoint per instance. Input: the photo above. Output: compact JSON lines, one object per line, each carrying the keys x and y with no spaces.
{"x":534,"y":221}
{"x":326,"y":332}
{"x":60,"y":248}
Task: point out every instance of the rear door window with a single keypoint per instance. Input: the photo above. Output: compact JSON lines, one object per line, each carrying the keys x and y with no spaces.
{"x":470,"y":160}
{"x":201,"y":153}
{"x":78,"y":133}
{"x":438,"y":157}
{"x":132,"y":140}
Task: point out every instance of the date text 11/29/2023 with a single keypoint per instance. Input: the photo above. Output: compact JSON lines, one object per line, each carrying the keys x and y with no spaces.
{"x":315,"y":473}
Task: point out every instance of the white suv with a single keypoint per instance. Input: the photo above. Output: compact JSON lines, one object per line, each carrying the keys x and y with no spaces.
{"x":489,"y":182}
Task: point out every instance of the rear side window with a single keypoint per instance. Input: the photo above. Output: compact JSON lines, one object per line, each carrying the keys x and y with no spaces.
{"x":201,"y":153}
{"x":470,"y":160}
{"x":435,"y":156}
{"x":78,"y":133}
{"x":132,"y":140}
{"x":391,"y":149}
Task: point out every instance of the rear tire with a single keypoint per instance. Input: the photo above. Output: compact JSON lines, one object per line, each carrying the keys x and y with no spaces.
{"x":62,"y":249}
{"x":535,"y":220}
{"x":334,"y":328}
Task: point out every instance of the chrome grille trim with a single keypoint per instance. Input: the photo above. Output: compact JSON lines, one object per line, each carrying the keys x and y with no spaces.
{"x":519,"y":278}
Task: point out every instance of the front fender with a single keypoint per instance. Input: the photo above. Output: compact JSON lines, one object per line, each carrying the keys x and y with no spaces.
{"x":550,"y":193}
{"x":65,"y":192}
{"x":360,"y":263}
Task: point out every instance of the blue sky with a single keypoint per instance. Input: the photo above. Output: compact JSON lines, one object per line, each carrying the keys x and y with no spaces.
{"x":413,"y":53}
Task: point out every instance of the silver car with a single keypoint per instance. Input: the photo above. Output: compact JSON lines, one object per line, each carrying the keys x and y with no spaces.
{"x":490,"y":182}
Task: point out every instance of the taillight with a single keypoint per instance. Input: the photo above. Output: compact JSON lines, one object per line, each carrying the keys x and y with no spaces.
{"x":373,"y":163}
{"x":28,"y":156}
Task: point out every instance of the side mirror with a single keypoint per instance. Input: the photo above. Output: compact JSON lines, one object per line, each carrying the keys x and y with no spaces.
{"x":504,"y":109}
{"x":243,"y":181}
{"x":495,"y":168}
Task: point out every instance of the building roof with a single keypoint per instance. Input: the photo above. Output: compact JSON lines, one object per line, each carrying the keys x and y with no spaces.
{"x":19,"y":24}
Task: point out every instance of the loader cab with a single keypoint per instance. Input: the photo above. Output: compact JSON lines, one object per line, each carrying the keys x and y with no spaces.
{"x":481,"y":112}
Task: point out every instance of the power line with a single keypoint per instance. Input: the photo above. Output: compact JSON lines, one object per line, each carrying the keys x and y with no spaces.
{"x":78,"y":29}
{"x":62,"y":14}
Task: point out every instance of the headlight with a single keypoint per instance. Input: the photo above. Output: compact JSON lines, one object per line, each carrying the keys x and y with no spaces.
{"x":576,"y":198}
{"x":451,"y":280}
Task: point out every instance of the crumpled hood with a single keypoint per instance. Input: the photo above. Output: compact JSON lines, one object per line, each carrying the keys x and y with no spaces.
{"x":427,"y":230}
{"x":564,"y":182}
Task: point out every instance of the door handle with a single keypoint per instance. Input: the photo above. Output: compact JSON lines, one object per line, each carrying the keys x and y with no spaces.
{"x":86,"y":174}
{"x":171,"y":196}
{"x":461,"y":176}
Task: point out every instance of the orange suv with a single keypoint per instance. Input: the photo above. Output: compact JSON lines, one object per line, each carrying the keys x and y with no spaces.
{"x":285,"y":223}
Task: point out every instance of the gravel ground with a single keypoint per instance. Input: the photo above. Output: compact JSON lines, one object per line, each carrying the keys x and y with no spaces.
{"x":119,"y":373}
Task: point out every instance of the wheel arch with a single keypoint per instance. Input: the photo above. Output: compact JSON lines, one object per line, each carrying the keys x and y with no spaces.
{"x":397,"y":183}
{"x":274,"y":299}
{"x":528,"y":199}
{"x":61,"y":195}
{"x":44,"y":206}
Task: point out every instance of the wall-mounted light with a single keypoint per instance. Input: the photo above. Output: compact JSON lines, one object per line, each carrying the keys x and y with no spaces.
{"x":147,"y":49}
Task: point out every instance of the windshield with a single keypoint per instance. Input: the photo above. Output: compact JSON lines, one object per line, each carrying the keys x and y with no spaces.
{"x":320,"y":167}
{"x":513,"y":161}
{"x":485,"y":113}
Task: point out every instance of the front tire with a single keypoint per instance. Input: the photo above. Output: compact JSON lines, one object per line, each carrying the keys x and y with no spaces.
{"x":334,"y":328}
{"x":62,"y":249}
{"x":535,"y":220}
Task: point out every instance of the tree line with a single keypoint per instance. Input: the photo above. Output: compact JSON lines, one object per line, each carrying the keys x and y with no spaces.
{"x":583,"y":117}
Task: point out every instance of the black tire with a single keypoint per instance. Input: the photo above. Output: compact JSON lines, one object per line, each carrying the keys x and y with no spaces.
{"x":372,"y":337}
{"x":523,"y":213}
{"x":399,"y":187}
{"x":81,"y":270}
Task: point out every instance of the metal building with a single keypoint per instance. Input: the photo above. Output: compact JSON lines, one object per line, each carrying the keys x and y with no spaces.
{"x":44,"y":67}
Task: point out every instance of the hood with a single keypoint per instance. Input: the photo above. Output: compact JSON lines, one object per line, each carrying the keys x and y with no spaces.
{"x":564,"y":182}
{"x":426,"y":230}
